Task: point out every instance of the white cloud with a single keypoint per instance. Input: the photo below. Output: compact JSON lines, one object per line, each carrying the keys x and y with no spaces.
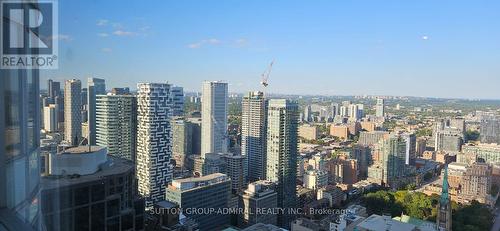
{"x":124,"y":33}
{"x":425,"y":37}
{"x":194,"y":45}
{"x":102,"y":22}
{"x":212,"y":41}
{"x":103,"y":34}
{"x":106,"y":50}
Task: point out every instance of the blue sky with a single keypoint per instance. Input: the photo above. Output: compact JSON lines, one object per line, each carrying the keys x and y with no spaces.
{"x":378,"y":47}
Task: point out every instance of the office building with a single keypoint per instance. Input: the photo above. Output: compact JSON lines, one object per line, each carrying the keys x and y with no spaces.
{"x":411,"y":145}
{"x":390,"y":168}
{"x":95,"y":86}
{"x":371,"y":138}
{"x":259,"y":196}
{"x":102,"y":197}
{"x":182,"y":131}
{"x":488,"y":153}
{"x":19,"y":149}
{"x":490,"y":130}
{"x":154,"y":141}
{"x":196,"y":134}
{"x":307,"y":114}
{"x":214,"y":117}
{"x":448,"y":141}
{"x":281,"y":158}
{"x":53,"y":88}
{"x":253,"y":134}
{"x":116,"y":124}
{"x":72,"y":111}
{"x":50,"y":118}
{"x":177,"y":95}
{"x":379,"y":108}
{"x":201,"y":194}
{"x":236,"y":170}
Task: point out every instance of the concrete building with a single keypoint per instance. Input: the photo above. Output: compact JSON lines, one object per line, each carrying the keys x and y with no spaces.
{"x":116,"y":124}
{"x":214,"y":138}
{"x":308,"y":132}
{"x":259,"y":196}
{"x":281,"y":160}
{"x":340,"y":130}
{"x":490,"y":130}
{"x":448,"y":141}
{"x":177,"y":96}
{"x":95,"y":86}
{"x":102,"y":197}
{"x":333,"y":194}
{"x":235,"y":169}
{"x":391,"y":167}
{"x":253,"y":134}
{"x":72,"y":111}
{"x":489,"y":153}
{"x":198,"y":195}
{"x":315,"y":179}
{"x":379,"y":108}
{"x":411,"y":145}
{"x":182,"y":139}
{"x":384,"y":223}
{"x":154,"y":141}
{"x":50,"y":118}
{"x":53,"y":88}
{"x":371,"y":138}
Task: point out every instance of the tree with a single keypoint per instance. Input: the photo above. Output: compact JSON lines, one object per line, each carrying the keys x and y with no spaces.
{"x":471,"y":135}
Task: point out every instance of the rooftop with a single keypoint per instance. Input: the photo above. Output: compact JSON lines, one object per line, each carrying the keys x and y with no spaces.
{"x":113,"y":166}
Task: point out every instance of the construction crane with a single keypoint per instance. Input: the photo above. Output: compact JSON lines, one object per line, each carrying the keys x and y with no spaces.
{"x":265,"y":75}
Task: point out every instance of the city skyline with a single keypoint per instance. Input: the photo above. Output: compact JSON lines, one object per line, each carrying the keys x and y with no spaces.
{"x":436,"y":46}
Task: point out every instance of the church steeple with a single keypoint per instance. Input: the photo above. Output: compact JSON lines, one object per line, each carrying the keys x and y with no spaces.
{"x":443,"y":221}
{"x":445,"y":198}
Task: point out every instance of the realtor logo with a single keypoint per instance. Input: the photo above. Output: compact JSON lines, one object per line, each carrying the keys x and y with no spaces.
{"x":29,"y":35}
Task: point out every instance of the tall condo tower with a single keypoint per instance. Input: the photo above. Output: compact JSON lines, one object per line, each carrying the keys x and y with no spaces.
{"x":154,"y":141}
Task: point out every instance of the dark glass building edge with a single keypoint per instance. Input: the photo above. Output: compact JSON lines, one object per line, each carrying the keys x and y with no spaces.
{"x":19,"y":148}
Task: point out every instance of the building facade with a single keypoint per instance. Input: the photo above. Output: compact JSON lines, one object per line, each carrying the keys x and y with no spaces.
{"x":95,"y":86}
{"x":282,"y":135}
{"x":73,"y":111}
{"x":200,"y":194}
{"x":154,"y":141}
{"x":214,"y":103}
{"x":116,"y":124}
{"x":253,"y":134}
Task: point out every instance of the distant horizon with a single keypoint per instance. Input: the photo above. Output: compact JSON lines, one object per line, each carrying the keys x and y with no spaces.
{"x":189,"y":91}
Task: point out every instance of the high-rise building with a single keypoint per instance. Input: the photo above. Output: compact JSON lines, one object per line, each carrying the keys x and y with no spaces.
{"x":182,"y":139}
{"x":50,"y":118}
{"x":102,"y":197}
{"x":154,"y":141}
{"x":235,"y":169}
{"x":19,"y":149}
{"x":177,"y":95}
{"x":53,"y":88}
{"x":281,"y":157}
{"x":490,"y":130}
{"x":308,"y":113}
{"x":72,"y":111}
{"x":448,"y":141}
{"x":443,"y":220}
{"x":95,"y":86}
{"x":411,"y":145}
{"x":214,"y":107}
{"x":200,"y":194}
{"x":390,"y":168}
{"x":379,"y":108}
{"x":259,"y":196}
{"x":253,"y":134}
{"x":116,"y":124}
